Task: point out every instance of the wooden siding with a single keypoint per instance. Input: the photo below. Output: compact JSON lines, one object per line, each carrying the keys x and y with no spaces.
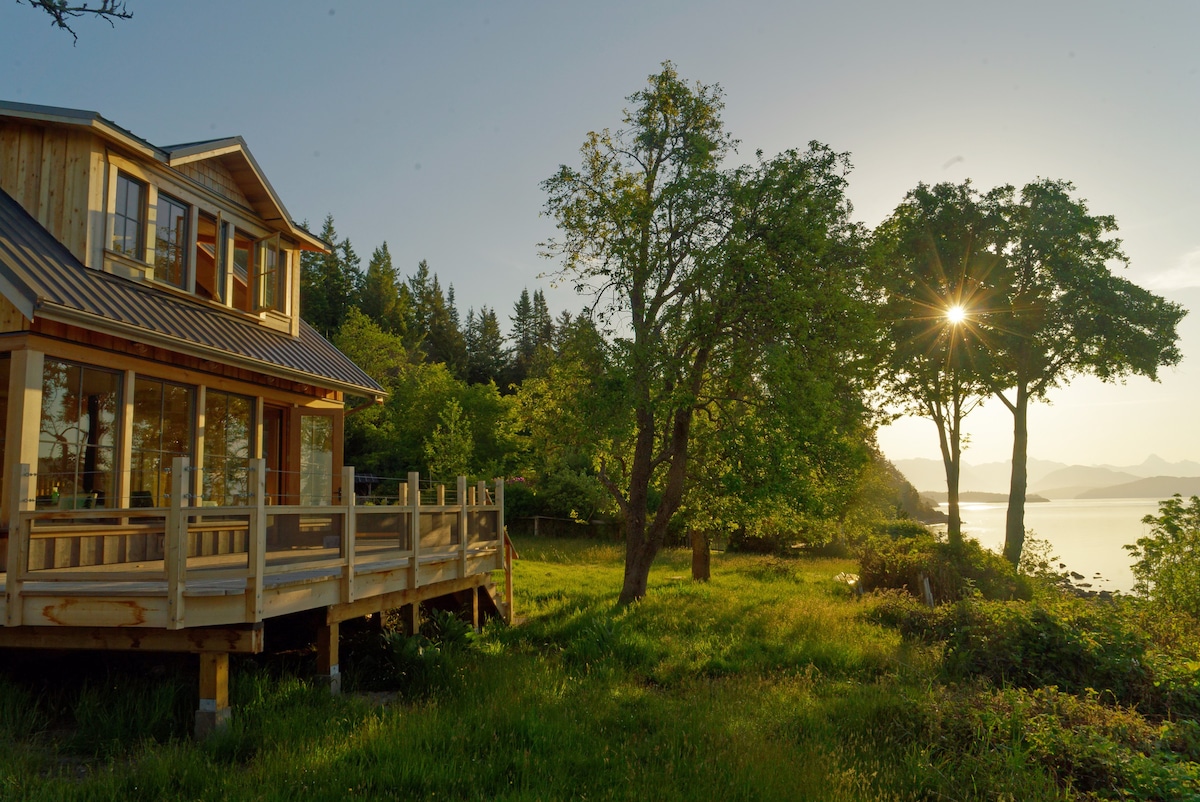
{"x":48,"y":171}
{"x":211,"y":173}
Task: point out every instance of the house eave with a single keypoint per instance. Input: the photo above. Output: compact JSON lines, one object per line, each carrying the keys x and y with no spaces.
{"x":128,"y":331}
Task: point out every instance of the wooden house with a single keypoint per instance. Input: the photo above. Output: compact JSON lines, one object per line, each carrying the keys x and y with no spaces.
{"x":172,"y":429}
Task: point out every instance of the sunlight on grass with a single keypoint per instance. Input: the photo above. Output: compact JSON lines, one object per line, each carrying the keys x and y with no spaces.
{"x":769,"y":682}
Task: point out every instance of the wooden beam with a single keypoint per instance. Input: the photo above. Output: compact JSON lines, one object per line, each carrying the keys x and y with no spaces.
{"x":401,"y":598}
{"x":235,"y":640}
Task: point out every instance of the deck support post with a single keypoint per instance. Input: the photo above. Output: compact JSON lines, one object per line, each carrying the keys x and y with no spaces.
{"x":410,"y":619}
{"x":327,"y":657}
{"x":213,"y":713}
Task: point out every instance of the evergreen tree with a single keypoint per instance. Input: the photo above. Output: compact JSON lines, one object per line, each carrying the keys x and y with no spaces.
{"x":543,"y":323}
{"x":329,"y":282}
{"x":380,"y":297}
{"x":436,"y":321}
{"x":524,"y":338}
{"x":485,"y":347}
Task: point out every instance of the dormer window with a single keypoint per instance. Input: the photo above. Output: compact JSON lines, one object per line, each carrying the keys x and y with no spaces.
{"x":129,"y":218}
{"x":171,"y":241}
{"x":272,"y":263}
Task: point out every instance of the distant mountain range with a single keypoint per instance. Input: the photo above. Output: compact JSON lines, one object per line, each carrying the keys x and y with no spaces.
{"x":1154,"y":478}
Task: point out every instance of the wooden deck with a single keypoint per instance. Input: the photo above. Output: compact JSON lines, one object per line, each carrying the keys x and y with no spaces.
{"x":204,"y":579}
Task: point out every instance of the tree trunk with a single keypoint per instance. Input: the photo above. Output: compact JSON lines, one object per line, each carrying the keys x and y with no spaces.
{"x":951,"y":451}
{"x":1014,"y":526}
{"x":639,"y":555}
{"x":700,"y":556}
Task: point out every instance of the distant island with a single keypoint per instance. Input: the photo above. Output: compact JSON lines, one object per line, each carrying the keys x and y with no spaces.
{"x":981,"y":498}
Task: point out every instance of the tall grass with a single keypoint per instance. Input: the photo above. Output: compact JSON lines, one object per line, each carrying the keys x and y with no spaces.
{"x":768,"y":682}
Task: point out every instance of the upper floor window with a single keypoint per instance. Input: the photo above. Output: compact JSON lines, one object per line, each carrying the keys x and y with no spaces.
{"x":271,"y":271}
{"x":171,"y":241}
{"x":129,"y":217}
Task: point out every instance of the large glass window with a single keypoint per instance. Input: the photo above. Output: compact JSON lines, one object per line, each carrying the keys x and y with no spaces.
{"x":78,"y":434}
{"x":228,"y":447}
{"x":129,"y":218}
{"x":316,"y":460}
{"x":170,"y":241}
{"x":162,"y":430}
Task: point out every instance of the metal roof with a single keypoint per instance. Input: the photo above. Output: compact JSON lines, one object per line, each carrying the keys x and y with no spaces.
{"x":39,"y":276}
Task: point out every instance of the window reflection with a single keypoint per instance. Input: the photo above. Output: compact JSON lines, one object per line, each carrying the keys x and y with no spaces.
{"x":316,"y":460}
{"x":128,"y":216}
{"x":170,"y":241}
{"x":77,"y":436}
{"x":162,"y":430}
{"x":228,"y":426}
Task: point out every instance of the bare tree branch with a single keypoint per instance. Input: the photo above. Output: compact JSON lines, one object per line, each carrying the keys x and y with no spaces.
{"x":60,"y":12}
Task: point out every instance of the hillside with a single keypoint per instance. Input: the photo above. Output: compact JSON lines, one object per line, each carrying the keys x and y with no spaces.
{"x":1159,"y":487}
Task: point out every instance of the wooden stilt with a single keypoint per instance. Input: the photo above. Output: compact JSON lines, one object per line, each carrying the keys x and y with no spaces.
{"x":327,"y":656}
{"x":213,"y":713}
{"x":410,"y":618}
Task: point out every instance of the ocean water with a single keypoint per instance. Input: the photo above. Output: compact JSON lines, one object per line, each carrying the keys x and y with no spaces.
{"x":1087,"y":535}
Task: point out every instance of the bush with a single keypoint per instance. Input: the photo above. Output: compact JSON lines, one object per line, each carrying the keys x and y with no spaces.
{"x":433,"y":658}
{"x":899,"y":563}
{"x":1167,"y":567}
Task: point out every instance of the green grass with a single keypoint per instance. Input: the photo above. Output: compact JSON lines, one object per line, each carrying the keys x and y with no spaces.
{"x":769,"y":682}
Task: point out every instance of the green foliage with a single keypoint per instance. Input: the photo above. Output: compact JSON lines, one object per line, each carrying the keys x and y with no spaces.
{"x":954,"y":572}
{"x":1079,"y":647}
{"x":433,"y":659}
{"x":450,"y":446}
{"x":773,"y":666}
{"x":1167,"y":561}
{"x":329,"y":282}
{"x":735,"y":289}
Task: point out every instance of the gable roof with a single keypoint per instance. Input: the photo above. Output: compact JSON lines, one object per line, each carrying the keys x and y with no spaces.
{"x":231,"y":151}
{"x":40,"y":277}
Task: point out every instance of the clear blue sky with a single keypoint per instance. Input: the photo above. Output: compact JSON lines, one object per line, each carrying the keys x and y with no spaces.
{"x":430,"y":125}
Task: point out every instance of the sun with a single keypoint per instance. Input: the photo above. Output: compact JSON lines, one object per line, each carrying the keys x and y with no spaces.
{"x":956,"y":314}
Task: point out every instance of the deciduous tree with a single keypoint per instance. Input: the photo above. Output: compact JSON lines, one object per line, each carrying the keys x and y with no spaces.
{"x":936,"y":259}
{"x":704,"y":273}
{"x":1060,"y":312}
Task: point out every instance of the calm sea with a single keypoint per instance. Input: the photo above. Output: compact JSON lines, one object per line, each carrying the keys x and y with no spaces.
{"x":1086,"y":535}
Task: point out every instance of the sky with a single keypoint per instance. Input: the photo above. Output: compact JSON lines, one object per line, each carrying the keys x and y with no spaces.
{"x":431,"y":125}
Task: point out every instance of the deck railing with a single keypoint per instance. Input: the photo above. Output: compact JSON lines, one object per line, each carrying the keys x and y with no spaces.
{"x":190,"y":551}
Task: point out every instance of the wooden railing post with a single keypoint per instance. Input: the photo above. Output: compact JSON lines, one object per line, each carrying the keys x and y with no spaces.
{"x":498,"y":500}
{"x":256,"y":541}
{"x":177,"y":546}
{"x":349,"y":530}
{"x":462,"y":526}
{"x":505,"y":551}
{"x":17,"y":559}
{"x":414,"y":499}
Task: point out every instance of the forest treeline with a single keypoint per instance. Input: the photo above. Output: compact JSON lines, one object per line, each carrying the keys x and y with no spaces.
{"x":743,"y":338}
{"x":489,"y":393}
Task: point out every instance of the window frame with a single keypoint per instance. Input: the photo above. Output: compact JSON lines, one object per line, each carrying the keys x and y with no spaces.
{"x":179,"y":248}
{"x":119,"y":217}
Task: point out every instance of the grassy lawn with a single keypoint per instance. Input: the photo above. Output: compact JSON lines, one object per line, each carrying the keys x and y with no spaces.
{"x":769,"y":682}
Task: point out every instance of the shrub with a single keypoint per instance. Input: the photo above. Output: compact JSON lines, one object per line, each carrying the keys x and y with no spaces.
{"x":433,"y":658}
{"x":1167,"y":567}
{"x":900,"y":562}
